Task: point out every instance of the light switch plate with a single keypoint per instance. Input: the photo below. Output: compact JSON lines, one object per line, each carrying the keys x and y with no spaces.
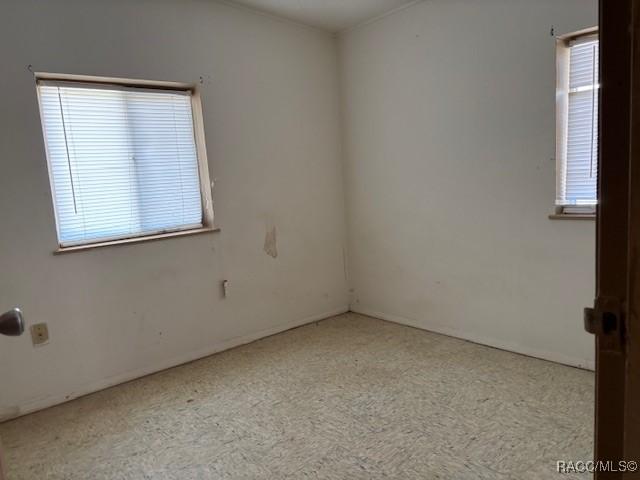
{"x":39,"y":334}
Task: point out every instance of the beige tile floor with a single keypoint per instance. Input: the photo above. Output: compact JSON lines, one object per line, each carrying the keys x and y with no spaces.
{"x":350,"y":397}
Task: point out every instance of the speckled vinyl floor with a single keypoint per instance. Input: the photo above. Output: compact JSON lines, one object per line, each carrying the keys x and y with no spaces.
{"x":350,"y":397}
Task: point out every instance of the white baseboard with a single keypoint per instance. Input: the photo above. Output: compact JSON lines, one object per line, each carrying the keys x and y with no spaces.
{"x":491,"y":342}
{"x":56,"y":399}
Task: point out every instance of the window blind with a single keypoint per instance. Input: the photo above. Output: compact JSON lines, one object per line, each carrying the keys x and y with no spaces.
{"x":122,"y":160}
{"x":579,"y":180}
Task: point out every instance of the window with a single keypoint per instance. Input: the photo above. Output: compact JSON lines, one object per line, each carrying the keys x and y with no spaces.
{"x":577,"y":146}
{"x":123,"y":160}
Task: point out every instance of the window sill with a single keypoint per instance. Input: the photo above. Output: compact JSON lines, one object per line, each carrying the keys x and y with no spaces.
{"x":126,"y":241}
{"x":572,"y":216}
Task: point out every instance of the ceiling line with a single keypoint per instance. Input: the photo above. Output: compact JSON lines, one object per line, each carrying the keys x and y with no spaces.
{"x":371,"y":20}
{"x":273,"y":16}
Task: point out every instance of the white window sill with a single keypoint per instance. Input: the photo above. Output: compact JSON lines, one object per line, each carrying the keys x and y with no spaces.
{"x":125,"y":241}
{"x":572,"y":216}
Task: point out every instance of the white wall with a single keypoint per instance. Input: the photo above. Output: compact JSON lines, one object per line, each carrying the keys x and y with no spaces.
{"x":445,"y":94}
{"x":449,"y":146}
{"x":271,"y":114}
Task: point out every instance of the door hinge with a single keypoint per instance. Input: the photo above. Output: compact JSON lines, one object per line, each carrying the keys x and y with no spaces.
{"x":605,"y":320}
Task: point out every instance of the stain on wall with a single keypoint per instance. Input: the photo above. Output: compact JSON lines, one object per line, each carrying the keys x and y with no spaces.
{"x":270,"y":246}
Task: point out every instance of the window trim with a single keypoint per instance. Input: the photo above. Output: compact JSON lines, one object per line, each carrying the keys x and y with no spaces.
{"x":563,"y":44}
{"x":208,"y":224}
{"x":138,"y":239}
{"x":579,"y":213}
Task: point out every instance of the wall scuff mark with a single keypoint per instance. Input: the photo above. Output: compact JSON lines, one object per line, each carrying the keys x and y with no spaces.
{"x":270,"y":242}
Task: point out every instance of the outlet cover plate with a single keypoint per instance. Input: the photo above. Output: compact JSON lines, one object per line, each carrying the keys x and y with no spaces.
{"x":39,"y":334}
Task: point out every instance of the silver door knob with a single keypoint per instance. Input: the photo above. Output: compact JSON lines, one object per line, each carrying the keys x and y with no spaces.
{"x":12,"y":323}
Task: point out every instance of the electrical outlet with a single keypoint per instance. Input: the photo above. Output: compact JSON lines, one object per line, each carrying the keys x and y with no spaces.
{"x":40,"y":334}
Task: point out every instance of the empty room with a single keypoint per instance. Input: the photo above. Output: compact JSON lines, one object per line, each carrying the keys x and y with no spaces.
{"x":319,"y":239}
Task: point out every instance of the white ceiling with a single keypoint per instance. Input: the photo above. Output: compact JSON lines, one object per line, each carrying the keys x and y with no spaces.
{"x":332,"y":15}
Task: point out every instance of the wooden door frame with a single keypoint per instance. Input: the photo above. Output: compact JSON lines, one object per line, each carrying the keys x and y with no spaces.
{"x":631,"y":438}
{"x":612,"y":226}
{"x":617,"y":420}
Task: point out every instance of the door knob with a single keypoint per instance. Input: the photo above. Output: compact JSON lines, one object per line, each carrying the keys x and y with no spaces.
{"x":12,"y":323}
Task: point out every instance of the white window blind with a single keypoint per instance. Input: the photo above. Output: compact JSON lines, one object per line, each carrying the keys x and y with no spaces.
{"x":578,"y":184}
{"x":122,"y":160}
